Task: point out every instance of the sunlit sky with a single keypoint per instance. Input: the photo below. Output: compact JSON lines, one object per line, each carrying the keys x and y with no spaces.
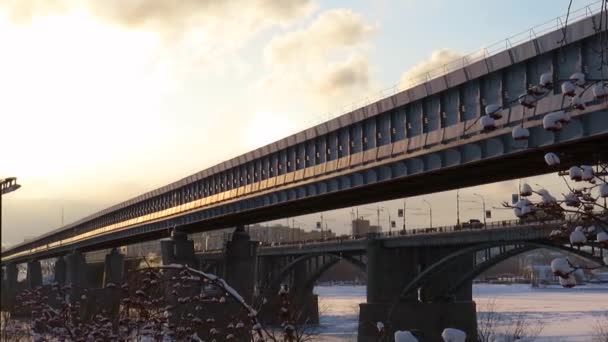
{"x":102,"y":100}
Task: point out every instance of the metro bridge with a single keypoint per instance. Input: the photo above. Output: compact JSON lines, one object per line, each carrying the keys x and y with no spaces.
{"x":421,"y":140}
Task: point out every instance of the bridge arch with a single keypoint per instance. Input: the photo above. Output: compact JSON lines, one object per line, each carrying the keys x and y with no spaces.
{"x":520,"y":247}
{"x":276,"y":281}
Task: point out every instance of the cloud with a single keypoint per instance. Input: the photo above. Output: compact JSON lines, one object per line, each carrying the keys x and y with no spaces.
{"x":22,"y":11}
{"x":332,"y":30}
{"x":198,"y":31}
{"x":325,"y":62}
{"x":438,"y":59}
{"x":339,"y":77}
{"x":168,"y":15}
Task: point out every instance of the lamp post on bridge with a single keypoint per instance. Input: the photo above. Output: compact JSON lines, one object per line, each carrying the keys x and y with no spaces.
{"x":483,"y":201}
{"x":430,"y":212}
{"x":7,"y":185}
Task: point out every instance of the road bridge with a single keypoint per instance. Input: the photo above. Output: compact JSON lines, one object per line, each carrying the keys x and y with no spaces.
{"x":391,"y":148}
{"x":421,"y":140}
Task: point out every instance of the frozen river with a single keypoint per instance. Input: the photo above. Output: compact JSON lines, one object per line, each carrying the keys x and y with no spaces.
{"x":564,"y":314}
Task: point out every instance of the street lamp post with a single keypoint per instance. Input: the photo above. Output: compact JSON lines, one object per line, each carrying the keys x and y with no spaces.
{"x":483,"y":201}
{"x":430,"y":212}
{"x":7,"y":185}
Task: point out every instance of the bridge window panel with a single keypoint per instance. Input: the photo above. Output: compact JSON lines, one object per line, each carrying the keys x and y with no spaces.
{"x":514,"y":82}
{"x":449,"y":107}
{"x":343,"y":142}
{"x":223,"y":181}
{"x":282,"y":164}
{"x":227,"y":180}
{"x":242,"y":175}
{"x":310,"y":152}
{"x":274,"y":162}
{"x":300,"y":156}
{"x":491,"y":89}
{"x":356,"y":138}
{"x":332,"y":146}
{"x":383,"y":129}
{"x":398,"y":124}
{"x":370,"y":134}
{"x":257,"y":170}
{"x":265,"y":168}
{"x":413,"y":119}
{"x":569,"y":61}
{"x":291,"y":159}
{"x":592,"y":60}
{"x":320,"y":151}
{"x":470,"y":100}
{"x":206,"y":187}
{"x":249,"y":172}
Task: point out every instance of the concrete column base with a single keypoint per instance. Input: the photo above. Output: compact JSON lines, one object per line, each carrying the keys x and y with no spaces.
{"x":34,"y":274}
{"x":60,"y":271}
{"x":114,"y":267}
{"x":428,"y":318}
{"x":76,"y":270}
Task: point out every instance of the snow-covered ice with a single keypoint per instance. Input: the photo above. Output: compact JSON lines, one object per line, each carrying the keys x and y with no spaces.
{"x":566,"y":314}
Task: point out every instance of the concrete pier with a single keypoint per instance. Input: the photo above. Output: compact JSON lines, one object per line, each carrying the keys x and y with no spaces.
{"x":114,"y":268}
{"x":76,"y":270}
{"x":388,"y":271}
{"x":34,"y":274}
{"x":241,"y":263}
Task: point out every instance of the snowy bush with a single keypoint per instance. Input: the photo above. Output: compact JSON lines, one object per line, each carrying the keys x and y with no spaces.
{"x":578,"y":78}
{"x":487,"y":123}
{"x":493,"y":111}
{"x":568,"y":89}
{"x":561,"y":267}
{"x":526,"y":190}
{"x":568,"y":282}
{"x":577,"y":237}
{"x":404,"y":336}
{"x":600,"y":89}
{"x":552,"y":159}
{"x":602,"y":238}
{"x":520,"y":133}
{"x":453,"y":335}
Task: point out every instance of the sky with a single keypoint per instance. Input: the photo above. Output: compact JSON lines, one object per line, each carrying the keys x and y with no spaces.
{"x":102,"y":100}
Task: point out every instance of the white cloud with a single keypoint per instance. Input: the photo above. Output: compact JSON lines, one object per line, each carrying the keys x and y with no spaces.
{"x":433,"y":65}
{"x":332,"y":30}
{"x":352,"y":74}
{"x":199,"y":31}
{"x":326,"y":62}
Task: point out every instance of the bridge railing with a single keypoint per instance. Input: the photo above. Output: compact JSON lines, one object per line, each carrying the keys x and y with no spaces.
{"x":557,"y":23}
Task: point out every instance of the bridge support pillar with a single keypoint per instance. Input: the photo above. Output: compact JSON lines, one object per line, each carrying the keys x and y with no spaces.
{"x":388,"y":271}
{"x":304,"y":299}
{"x":240,"y":263}
{"x":178,"y":249}
{"x":76,"y":270}
{"x":60,"y":270}
{"x":114,"y":268}
{"x":9,"y":287}
{"x":34,"y":274}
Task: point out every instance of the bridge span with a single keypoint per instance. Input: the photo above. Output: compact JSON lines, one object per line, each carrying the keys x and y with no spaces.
{"x":422,"y":279}
{"x":422,"y":140}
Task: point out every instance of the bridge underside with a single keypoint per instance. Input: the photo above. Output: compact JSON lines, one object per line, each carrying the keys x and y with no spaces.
{"x":525,"y":163}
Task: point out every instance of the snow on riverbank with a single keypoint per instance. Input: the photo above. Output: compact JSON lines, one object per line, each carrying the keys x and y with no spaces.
{"x":566,"y":314}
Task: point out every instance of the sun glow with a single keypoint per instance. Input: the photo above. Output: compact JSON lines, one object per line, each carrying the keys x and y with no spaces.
{"x":72,"y":91}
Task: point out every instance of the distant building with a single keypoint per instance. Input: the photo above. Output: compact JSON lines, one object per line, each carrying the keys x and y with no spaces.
{"x":267,"y":234}
{"x":362,"y":227}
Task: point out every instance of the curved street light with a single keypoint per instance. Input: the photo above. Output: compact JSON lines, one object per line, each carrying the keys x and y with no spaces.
{"x":7,"y":185}
{"x":430,"y":212}
{"x":483,"y":201}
